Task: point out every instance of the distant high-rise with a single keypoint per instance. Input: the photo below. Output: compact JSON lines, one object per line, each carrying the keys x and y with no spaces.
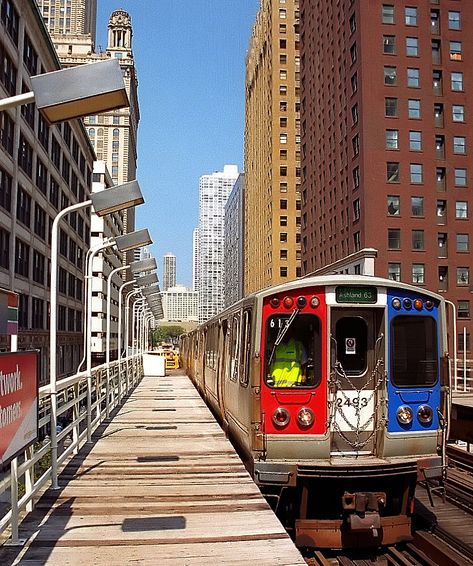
{"x":195,"y":259}
{"x":169,"y":271}
{"x":233,"y":243}
{"x":72,"y":17}
{"x":213,"y":194}
{"x":179,"y":304}
{"x":272,"y":148}
{"x":387,"y":140}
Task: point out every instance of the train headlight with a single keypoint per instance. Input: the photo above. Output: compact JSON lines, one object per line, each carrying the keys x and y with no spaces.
{"x":314,"y":302}
{"x":274,"y":302}
{"x":429,"y":305}
{"x":425,"y":414}
{"x":301,"y":302}
{"x":407,"y":304}
{"x":404,"y":414}
{"x":396,"y":303}
{"x":305,"y":417}
{"x":281,"y":417}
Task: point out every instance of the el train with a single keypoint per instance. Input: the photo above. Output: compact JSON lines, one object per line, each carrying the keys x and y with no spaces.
{"x":337,"y":455}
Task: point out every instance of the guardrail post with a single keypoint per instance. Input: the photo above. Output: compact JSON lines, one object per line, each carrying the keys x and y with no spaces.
{"x":29,"y":478}
{"x":14,"y":540}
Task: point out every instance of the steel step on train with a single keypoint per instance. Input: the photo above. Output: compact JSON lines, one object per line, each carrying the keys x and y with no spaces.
{"x":337,"y":444}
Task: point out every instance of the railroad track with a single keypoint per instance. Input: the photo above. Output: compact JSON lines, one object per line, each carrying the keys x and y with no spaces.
{"x":425,"y":550}
{"x":459,"y":484}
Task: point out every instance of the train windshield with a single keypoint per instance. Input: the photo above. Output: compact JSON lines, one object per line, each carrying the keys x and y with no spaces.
{"x":293,"y":351}
{"x":414,"y":353}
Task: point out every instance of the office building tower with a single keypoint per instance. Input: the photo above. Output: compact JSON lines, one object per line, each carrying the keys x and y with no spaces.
{"x":233,"y":243}
{"x":43,"y":169}
{"x":70,"y":17}
{"x":195,"y":259}
{"x":272,"y":148}
{"x":385,"y":107}
{"x":169,"y":271}
{"x":214,"y":190}
{"x":180,"y":304}
{"x":108,"y":226}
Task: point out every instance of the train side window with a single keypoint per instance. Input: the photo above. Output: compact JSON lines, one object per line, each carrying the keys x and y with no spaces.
{"x":293,"y":354}
{"x":235,"y":347}
{"x":211,"y":346}
{"x":245,"y":348}
{"x":351,"y":334}
{"x":414,"y":352}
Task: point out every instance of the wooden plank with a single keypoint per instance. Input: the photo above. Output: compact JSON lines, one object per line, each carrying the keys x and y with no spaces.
{"x":161,"y":485}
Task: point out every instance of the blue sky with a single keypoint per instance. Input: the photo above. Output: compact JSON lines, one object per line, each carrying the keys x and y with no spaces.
{"x":190,"y":58}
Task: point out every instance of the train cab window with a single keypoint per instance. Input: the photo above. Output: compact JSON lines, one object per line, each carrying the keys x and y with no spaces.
{"x":351,"y":336}
{"x":414,"y":355}
{"x":293,"y":351}
{"x":245,"y":348}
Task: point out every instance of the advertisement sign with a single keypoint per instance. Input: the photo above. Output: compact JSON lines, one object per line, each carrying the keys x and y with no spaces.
{"x":18,"y":403}
{"x":8,"y":312}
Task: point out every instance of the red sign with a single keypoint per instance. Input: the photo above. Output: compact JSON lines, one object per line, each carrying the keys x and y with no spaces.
{"x":18,"y":403}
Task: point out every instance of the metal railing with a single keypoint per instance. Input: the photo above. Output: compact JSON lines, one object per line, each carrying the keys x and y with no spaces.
{"x":30,"y":473}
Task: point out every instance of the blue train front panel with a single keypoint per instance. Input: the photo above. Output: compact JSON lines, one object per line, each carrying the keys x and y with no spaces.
{"x":413,"y":362}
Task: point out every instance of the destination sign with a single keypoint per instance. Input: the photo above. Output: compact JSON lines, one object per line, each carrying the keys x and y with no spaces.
{"x":365,"y":295}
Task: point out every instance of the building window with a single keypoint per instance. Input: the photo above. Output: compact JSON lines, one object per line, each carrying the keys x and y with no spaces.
{"x":454,"y":20}
{"x":283,"y":221}
{"x":23,"y":207}
{"x":22,"y":258}
{"x":460,"y":178}
{"x":458,"y":113}
{"x":394,"y":205}
{"x":354,"y":83}
{"x":392,"y":139}
{"x":461,"y":209}
{"x":356,"y":145}
{"x":416,"y":173}
{"x":283,"y":237}
{"x":25,"y":156}
{"x":390,"y":107}
{"x":354,"y":114}
{"x":463,"y":275}
{"x":39,"y":261}
{"x":388,"y":14}
{"x":417,"y":239}
{"x":356,"y":177}
{"x":457,"y":81}
{"x":412,"y":46}
{"x":356,"y":209}
{"x":456,"y":51}
{"x":6,"y":132}
{"x":459,"y":144}
{"x":4,"y":249}
{"x":283,"y":271}
{"x":283,"y":204}
{"x":418,"y":273}
{"x":415,"y":141}
{"x":353,"y":54}
{"x":5,"y":190}
{"x":390,"y":75}
{"x":394,"y":239}
{"x":463,"y":242}
{"x":357,"y":241}
{"x":392,"y":172}
{"x":417,"y":206}
{"x":411,"y":16}
{"x":394,"y":271}
{"x":463,"y":309}
{"x":413,"y":77}
{"x":283,"y":138}
{"x":389,"y":44}
{"x":413,"y":108}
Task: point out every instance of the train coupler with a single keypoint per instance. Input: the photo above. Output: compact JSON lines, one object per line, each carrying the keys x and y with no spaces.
{"x":362,"y":511}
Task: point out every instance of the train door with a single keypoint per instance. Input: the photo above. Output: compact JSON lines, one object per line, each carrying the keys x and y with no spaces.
{"x":222,"y":364}
{"x":357,"y":369}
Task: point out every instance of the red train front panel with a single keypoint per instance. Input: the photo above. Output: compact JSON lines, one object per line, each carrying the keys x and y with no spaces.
{"x":294,"y":364}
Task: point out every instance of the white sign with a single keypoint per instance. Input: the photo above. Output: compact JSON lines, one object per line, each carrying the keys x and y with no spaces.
{"x":350,"y":345}
{"x":354,"y":410}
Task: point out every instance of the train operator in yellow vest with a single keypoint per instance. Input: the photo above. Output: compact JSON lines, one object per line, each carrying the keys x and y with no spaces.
{"x":289,"y":364}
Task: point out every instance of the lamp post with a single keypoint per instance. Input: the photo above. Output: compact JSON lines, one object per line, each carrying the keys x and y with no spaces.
{"x":120,"y":336}
{"x":105,"y":202}
{"x":107,"y":347}
{"x":124,"y":243}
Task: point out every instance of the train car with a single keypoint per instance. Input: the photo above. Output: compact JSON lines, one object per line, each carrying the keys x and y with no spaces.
{"x":337,"y":451}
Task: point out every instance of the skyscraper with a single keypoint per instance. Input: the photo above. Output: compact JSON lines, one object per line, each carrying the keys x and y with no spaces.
{"x":385,"y":107}
{"x":213,"y":194}
{"x":169,"y":271}
{"x":272,"y":148}
{"x":70,"y":17}
{"x":234,"y":243}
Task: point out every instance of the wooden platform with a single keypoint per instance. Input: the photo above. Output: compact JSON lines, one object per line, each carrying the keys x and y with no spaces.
{"x":160,"y":485}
